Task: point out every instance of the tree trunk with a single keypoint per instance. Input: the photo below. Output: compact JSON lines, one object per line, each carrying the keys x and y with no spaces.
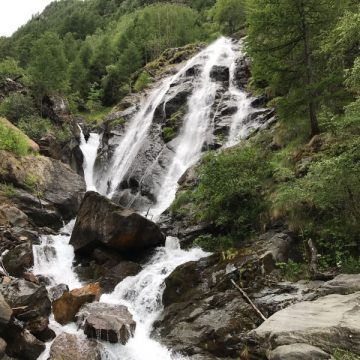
{"x":309,"y":77}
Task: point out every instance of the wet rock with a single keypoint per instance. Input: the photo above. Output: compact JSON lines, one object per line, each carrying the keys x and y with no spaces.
{"x":117,"y":274}
{"x":298,"y":352}
{"x":71,"y":347}
{"x":112,"y":323}
{"x":242,"y":72}
{"x":19,"y":259}
{"x":57,"y":291}
{"x":69,"y":303}
{"x":30,"y":303}
{"x":101,"y":222}
{"x":5,"y":313}
{"x":330,"y":322}
{"x":46,"y":335}
{"x":24,"y":345}
{"x":28,"y":276}
{"x":220,"y":73}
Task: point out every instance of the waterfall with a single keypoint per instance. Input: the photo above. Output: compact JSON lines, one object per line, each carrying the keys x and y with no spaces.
{"x":142,"y":293}
{"x":89,"y":149}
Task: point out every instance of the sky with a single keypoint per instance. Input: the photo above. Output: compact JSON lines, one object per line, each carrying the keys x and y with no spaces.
{"x":14,"y":13}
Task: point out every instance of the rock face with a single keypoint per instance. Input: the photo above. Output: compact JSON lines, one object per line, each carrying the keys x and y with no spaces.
{"x":57,"y":190}
{"x":102,"y":223}
{"x":330,"y":322}
{"x":71,"y":347}
{"x":68,"y":304}
{"x":112,"y":323}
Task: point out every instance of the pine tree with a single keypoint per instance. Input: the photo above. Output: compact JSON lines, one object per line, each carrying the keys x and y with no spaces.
{"x":283,"y":41}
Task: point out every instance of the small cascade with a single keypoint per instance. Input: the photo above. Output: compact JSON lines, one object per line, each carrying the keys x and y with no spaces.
{"x":198,"y":121}
{"x":142,"y":294}
{"x":54,"y":257}
{"x":90,"y":148}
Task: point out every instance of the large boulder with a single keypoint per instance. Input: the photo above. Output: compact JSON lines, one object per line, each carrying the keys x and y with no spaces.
{"x":23,"y":345}
{"x":71,"y":347}
{"x":17,"y":260}
{"x":56,"y":189}
{"x":103,"y":223}
{"x":68,"y":304}
{"x":113,"y":323}
{"x":330,"y":322}
{"x":30,"y":303}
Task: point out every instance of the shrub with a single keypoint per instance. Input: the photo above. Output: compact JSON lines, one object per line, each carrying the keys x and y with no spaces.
{"x":17,"y":106}
{"x":142,"y":81}
{"x":229,"y":194}
{"x":35,"y":126}
{"x":13,"y":141}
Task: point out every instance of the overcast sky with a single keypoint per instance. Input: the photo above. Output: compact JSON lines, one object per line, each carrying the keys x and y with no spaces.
{"x":14,"y":13}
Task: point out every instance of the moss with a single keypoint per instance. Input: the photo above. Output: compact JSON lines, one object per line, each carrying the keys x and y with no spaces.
{"x":7,"y":190}
{"x":13,"y":140}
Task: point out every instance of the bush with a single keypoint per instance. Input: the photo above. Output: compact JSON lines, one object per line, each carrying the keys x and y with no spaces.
{"x":13,"y":141}
{"x":230,"y":190}
{"x":35,"y":127}
{"x":17,"y":106}
{"x":142,"y":81}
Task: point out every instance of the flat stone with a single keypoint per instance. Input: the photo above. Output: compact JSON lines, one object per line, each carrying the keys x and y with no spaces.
{"x":112,"y":323}
{"x":330,"y":322}
{"x":298,"y":352}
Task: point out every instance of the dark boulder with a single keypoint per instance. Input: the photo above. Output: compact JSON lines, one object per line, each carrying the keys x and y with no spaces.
{"x":30,"y":303}
{"x":101,"y":222}
{"x":22,"y":344}
{"x":112,"y":323}
{"x":117,"y":274}
{"x":220,"y":73}
{"x":71,"y":347}
{"x":19,"y":259}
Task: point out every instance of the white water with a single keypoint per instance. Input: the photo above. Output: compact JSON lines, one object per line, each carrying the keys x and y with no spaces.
{"x":89,"y":148}
{"x":143,"y":293}
{"x":198,"y":121}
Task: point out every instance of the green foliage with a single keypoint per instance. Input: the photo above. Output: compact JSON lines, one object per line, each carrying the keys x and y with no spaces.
{"x":12,"y":141}
{"x":9,"y":68}
{"x":8,"y":190}
{"x":229,"y":15}
{"x":142,"y":81}
{"x":341,"y":354}
{"x":35,"y":127}
{"x":291,"y":270}
{"x":15,"y":106}
{"x":214,"y":243}
{"x":229,"y":194}
{"x":48,"y":66}
{"x":31,"y":182}
{"x":180,"y":206}
{"x":282,"y":39}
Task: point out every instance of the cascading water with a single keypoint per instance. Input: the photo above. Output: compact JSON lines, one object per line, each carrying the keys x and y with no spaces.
{"x":90,"y":148}
{"x":142,"y":293}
